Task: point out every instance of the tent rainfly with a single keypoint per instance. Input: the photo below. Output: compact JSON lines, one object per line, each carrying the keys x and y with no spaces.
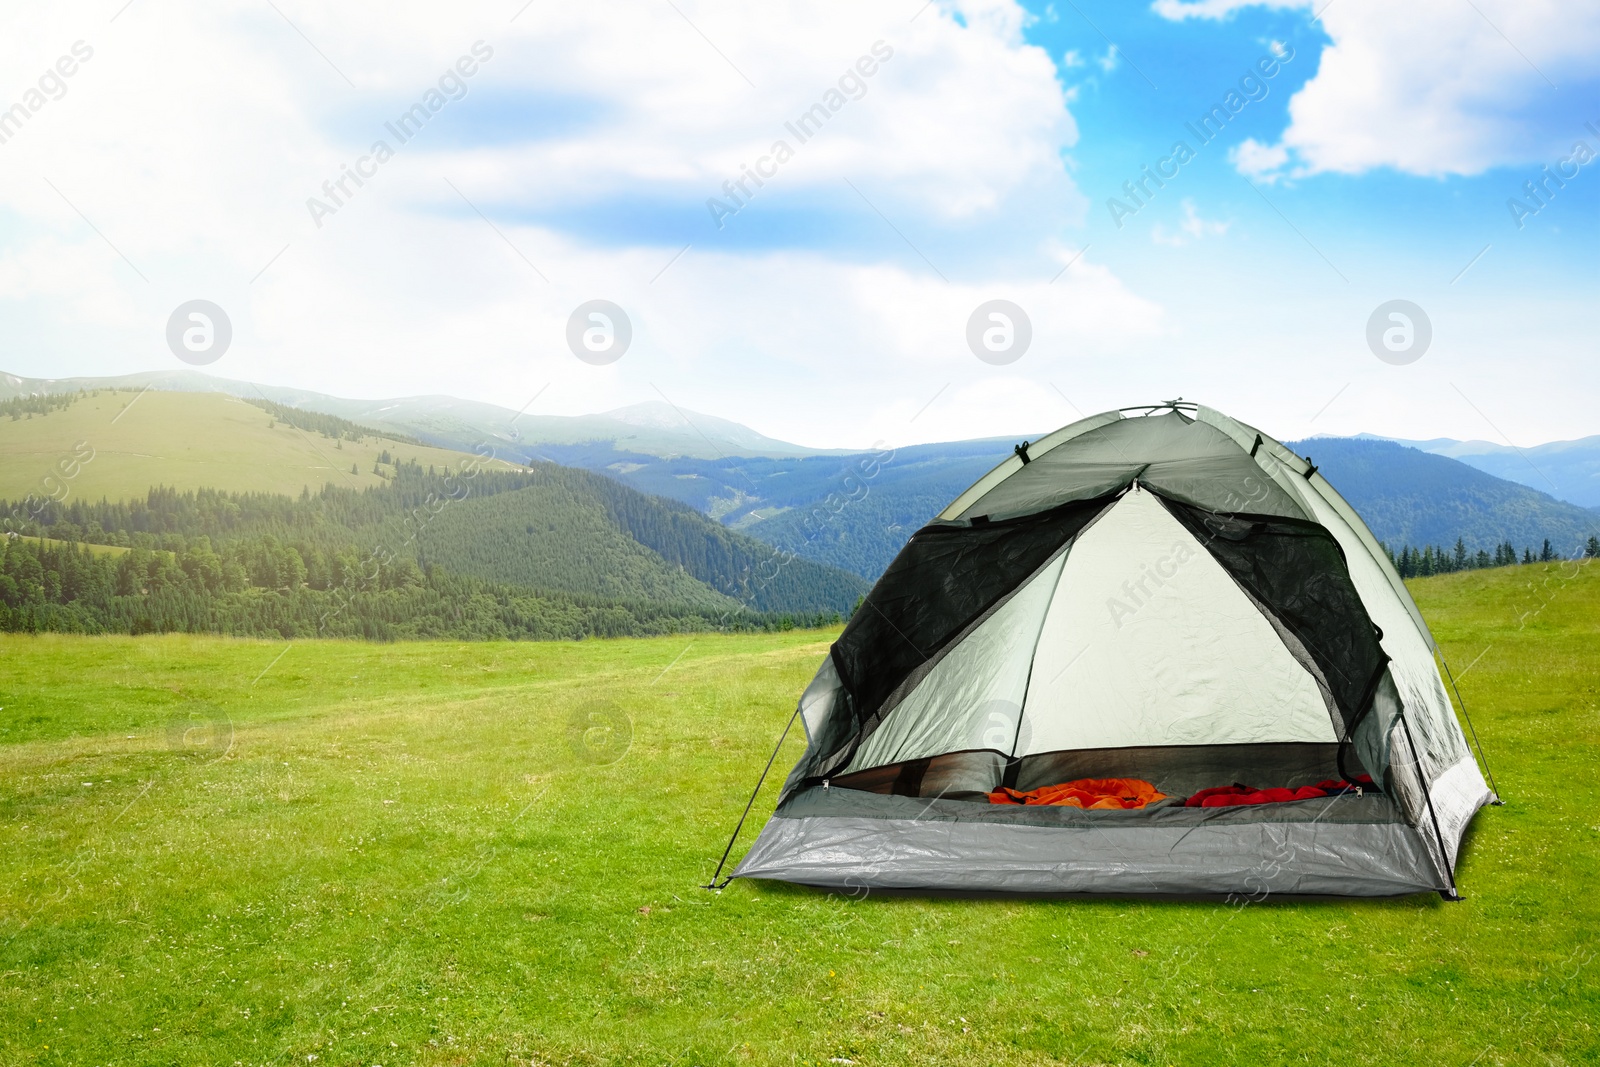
{"x":1162,"y":594}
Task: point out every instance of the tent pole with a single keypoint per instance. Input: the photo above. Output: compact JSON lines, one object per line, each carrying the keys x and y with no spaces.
{"x":1427,"y":794}
{"x":759,"y":782}
{"x":1468,"y":716}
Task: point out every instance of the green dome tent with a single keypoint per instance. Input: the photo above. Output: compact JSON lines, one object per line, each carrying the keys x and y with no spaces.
{"x":1161,"y":594}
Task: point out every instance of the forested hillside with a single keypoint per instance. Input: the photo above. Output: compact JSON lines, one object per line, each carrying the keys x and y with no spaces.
{"x":548,"y":552}
{"x":260,"y":587}
{"x":1567,"y":470}
{"x":853,"y":512}
{"x":329,"y":426}
{"x":557,"y":528}
{"x":1413,"y":499}
{"x":548,"y":537}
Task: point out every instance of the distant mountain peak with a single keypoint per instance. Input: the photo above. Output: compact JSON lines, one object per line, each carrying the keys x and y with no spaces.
{"x":656,"y":415}
{"x":651,"y":427}
{"x":1567,"y":470}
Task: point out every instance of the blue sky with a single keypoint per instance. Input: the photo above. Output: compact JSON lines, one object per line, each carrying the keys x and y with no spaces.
{"x":973,"y":160}
{"x":1383,"y":224}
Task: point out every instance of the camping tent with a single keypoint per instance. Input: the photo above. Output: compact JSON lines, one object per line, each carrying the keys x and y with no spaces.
{"x":1161,"y":594}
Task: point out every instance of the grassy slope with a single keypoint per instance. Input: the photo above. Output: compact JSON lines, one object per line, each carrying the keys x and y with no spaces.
{"x":98,"y":550}
{"x":187,"y":441}
{"x":403,"y":859}
{"x":651,"y":427}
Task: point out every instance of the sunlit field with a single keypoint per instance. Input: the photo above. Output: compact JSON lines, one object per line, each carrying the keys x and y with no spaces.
{"x":221,"y":851}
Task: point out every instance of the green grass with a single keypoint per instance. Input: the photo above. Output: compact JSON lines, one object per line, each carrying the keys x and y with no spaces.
{"x":118,"y":445}
{"x":405,"y":857}
{"x":96,"y":550}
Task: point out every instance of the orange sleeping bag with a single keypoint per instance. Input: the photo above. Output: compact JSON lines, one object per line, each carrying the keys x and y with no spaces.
{"x":1093,"y":793}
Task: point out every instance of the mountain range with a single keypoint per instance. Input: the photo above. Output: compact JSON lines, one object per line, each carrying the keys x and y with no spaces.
{"x":654,"y":428}
{"x":852,"y":511}
{"x":1416,"y":498}
{"x":240,"y":515}
{"x":1567,"y":470}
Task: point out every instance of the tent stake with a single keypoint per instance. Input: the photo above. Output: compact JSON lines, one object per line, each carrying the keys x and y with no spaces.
{"x":1468,"y":716}
{"x":759,"y":782}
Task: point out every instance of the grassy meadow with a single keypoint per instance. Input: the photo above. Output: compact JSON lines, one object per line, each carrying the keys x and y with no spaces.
{"x":118,"y":444}
{"x":242,"y":852}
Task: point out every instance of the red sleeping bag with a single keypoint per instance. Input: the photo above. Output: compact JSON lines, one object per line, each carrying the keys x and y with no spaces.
{"x":1228,"y":796}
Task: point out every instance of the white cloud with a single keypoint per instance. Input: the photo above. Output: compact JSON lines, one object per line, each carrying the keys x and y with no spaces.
{"x":1192,"y":228}
{"x":193,"y":138}
{"x":1180,"y":10}
{"x":1258,"y":160}
{"x":210,"y":124}
{"x":681,"y":120}
{"x":1435,"y":87}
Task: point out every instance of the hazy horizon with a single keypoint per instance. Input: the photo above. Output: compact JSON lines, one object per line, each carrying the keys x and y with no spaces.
{"x":666,"y":406}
